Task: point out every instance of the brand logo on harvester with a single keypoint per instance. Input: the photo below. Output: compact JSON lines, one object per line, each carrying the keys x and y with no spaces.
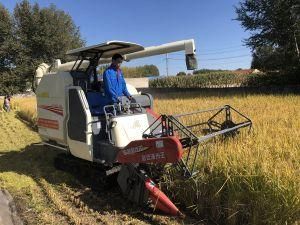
{"x":135,"y":150}
{"x":153,"y":156}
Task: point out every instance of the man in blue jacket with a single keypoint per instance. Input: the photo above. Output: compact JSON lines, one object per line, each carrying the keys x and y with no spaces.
{"x":114,"y":82}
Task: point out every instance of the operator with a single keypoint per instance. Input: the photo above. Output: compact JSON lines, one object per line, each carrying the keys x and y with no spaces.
{"x":114,"y":82}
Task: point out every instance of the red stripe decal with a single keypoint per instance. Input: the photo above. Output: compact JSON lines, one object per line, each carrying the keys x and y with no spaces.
{"x":55,"y":109}
{"x":52,"y":124}
{"x":49,"y":108}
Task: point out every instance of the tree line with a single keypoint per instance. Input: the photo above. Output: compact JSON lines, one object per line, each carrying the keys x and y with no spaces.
{"x":275,"y":33}
{"x":140,"y":71}
{"x":133,"y":72}
{"x":31,"y":35}
{"x":274,"y":27}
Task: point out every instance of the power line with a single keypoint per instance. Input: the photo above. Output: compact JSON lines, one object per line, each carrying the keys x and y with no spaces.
{"x":177,"y":59}
{"x":203,"y":65}
{"x":231,"y":57}
{"x":224,"y":63}
{"x":213,"y":53}
{"x":221,"y":52}
{"x":212,"y":59}
{"x":218,"y":49}
{"x":167,"y":66}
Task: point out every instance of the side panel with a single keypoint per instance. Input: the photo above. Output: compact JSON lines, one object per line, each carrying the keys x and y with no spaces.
{"x":51,"y":106}
{"x":79,"y":125}
{"x":152,"y":150}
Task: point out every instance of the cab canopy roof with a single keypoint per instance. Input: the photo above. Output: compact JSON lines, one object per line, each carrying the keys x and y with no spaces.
{"x":106,"y":49}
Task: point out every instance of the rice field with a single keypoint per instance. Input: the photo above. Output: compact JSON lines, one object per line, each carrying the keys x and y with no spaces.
{"x":44,"y":195}
{"x":254,"y":178}
{"x":251,"y":179}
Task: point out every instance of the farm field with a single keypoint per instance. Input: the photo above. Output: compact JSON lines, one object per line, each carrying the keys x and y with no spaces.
{"x":44,"y":195}
{"x":252,"y":179}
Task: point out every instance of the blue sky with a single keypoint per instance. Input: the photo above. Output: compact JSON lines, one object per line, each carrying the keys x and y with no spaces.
{"x":218,"y":38}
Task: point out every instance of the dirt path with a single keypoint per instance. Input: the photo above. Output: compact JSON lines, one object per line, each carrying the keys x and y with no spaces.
{"x":8,"y":213}
{"x":44,"y":195}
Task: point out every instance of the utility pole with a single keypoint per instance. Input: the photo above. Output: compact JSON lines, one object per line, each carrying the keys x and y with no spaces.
{"x":295,"y":15}
{"x":167,"y":64}
{"x":297,"y":48}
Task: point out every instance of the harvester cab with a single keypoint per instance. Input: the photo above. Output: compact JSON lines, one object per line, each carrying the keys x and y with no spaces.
{"x":127,"y":140}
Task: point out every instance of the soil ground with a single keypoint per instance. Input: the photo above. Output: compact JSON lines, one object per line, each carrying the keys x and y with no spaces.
{"x":44,"y":195}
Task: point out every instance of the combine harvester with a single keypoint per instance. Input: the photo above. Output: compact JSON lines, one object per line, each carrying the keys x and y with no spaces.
{"x":127,"y":141}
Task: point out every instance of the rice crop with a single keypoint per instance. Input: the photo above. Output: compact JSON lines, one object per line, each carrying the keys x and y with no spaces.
{"x":226,"y":79}
{"x":253,"y":178}
{"x":221,"y":79}
{"x":26,"y":109}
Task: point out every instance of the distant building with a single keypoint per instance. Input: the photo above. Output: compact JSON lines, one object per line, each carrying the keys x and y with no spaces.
{"x":256,"y":71}
{"x":246,"y":71}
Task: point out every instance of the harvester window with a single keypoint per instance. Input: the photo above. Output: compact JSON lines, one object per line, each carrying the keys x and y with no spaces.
{"x":80,"y":79}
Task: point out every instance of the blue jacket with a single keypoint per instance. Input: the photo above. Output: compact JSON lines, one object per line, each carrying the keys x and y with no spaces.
{"x":114,"y":84}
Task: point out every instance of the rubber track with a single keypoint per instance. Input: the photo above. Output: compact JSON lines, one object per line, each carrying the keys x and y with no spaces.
{"x":90,"y":174}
